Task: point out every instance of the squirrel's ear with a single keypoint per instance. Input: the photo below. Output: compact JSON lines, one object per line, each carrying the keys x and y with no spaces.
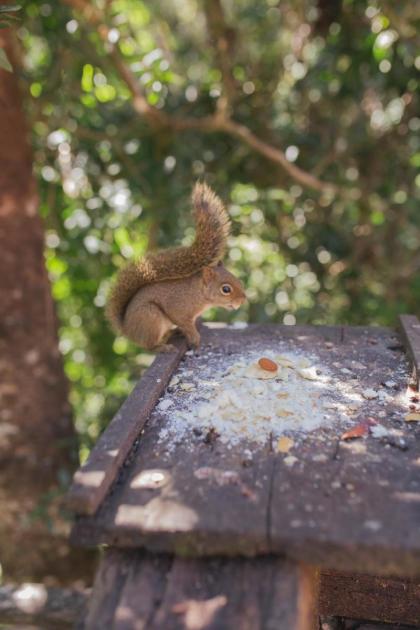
{"x":208,"y":274}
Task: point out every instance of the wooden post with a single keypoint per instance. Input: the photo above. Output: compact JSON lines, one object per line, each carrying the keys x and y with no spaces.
{"x":137,"y":589}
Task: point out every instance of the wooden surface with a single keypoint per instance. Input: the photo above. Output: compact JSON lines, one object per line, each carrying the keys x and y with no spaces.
{"x":139,"y":591}
{"x":388,"y":600}
{"x":410,"y":330}
{"x":351,"y":506}
{"x":341,"y":623}
{"x":93,"y":480}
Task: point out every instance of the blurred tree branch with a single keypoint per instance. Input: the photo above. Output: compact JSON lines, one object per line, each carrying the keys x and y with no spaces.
{"x":222,"y":40}
{"x":218,"y":121}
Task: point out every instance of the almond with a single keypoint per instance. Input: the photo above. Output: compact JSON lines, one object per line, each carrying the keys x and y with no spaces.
{"x":268,"y":364}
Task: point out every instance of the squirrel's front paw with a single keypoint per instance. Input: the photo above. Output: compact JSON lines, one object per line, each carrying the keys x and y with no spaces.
{"x":193,"y":341}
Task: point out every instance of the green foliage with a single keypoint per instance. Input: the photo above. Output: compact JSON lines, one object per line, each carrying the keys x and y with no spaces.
{"x":340,"y":98}
{"x":4,"y":61}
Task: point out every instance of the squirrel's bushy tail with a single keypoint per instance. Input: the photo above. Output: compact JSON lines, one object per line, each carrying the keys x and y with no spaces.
{"x":212,"y":230}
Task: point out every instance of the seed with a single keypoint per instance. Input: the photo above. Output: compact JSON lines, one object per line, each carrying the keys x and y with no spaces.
{"x":268,"y":365}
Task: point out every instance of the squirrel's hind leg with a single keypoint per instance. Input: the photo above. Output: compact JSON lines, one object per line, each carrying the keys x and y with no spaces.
{"x":164,"y":345}
{"x":147,"y":326}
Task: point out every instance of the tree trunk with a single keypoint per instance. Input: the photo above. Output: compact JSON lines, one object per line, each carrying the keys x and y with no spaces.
{"x":37,"y":441}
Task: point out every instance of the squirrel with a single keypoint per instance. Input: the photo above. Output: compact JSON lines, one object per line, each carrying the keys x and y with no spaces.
{"x":170,"y":288}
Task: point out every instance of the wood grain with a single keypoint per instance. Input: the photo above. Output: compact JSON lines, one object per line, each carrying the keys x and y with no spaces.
{"x":360,"y":510}
{"x":343,"y":505}
{"x":93,"y":480}
{"x":368,"y":597}
{"x":137,"y":590}
{"x":410,"y":330}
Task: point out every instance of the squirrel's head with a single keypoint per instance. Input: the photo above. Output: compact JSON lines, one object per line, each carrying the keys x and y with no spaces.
{"x":222,"y":288}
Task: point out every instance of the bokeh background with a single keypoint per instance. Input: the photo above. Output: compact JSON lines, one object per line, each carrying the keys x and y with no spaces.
{"x":304,"y":117}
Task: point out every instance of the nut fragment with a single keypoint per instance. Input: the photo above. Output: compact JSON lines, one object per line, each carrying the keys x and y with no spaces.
{"x":284,"y":444}
{"x":369,"y":394}
{"x":412,"y":417}
{"x":268,"y":364}
{"x":309,"y":373}
{"x":283,"y":413}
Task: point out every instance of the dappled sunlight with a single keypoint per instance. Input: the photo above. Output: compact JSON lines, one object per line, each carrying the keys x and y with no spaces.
{"x":308,"y":111}
{"x":30,"y":598}
{"x":158,"y":514}
{"x":150,"y":479}
{"x":196,"y":614}
{"x":199,"y":614}
{"x":126,"y":615}
{"x":90,"y":479}
{"x":162,"y":512}
{"x":408,"y":497}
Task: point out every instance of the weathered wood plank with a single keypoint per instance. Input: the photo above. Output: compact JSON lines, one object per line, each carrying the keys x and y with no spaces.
{"x":341,"y":623}
{"x":143,"y":591}
{"x":368,"y":597}
{"x":344,"y":505}
{"x":216,"y":594}
{"x":180,"y":516}
{"x":410,"y":330}
{"x":93,"y":480}
{"x":109,"y":581}
{"x":359,"y":510}
{"x":188,"y":515}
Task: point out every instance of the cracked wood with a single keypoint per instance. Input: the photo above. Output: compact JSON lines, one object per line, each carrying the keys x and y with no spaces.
{"x":350,"y":506}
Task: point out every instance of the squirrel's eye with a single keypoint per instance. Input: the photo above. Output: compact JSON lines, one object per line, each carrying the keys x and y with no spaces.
{"x":226,"y":289}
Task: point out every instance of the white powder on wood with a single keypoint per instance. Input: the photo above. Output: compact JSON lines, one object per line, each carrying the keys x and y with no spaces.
{"x":243,"y":402}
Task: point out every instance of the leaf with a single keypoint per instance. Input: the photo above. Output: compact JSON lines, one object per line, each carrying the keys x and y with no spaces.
{"x":412,"y":417}
{"x":4,"y":62}
{"x":359,"y":430}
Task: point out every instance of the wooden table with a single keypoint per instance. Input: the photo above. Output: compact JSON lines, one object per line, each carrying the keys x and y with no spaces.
{"x":241,"y":554}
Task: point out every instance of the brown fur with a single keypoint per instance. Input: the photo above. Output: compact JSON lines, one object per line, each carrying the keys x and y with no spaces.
{"x":170,"y":288}
{"x":158,"y":308}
